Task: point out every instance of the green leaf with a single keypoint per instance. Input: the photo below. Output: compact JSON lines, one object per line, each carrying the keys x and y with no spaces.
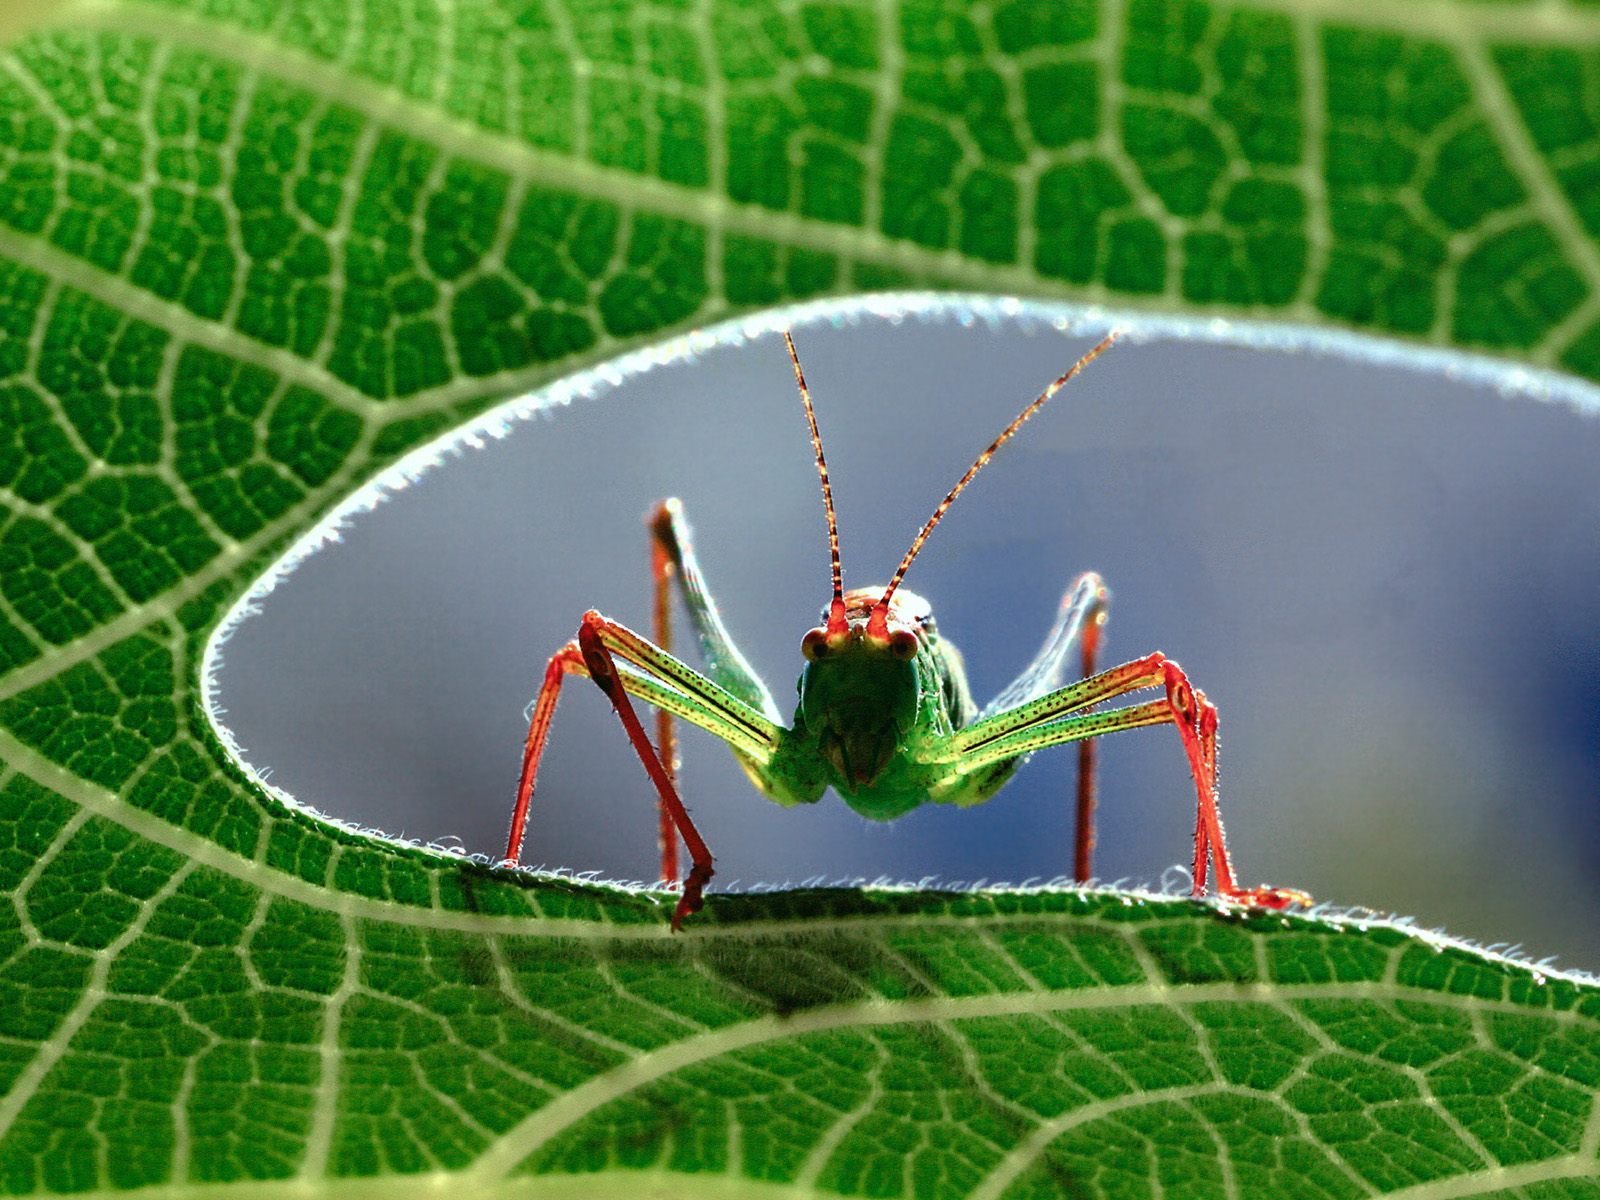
{"x":252,"y":251}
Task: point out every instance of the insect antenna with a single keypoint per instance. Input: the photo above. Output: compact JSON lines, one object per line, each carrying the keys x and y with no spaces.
{"x":878,"y":623}
{"x":837,"y":622}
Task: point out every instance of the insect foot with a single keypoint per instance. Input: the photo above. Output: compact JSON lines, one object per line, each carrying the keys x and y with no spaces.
{"x":689,"y":903}
{"x":1275,"y":898}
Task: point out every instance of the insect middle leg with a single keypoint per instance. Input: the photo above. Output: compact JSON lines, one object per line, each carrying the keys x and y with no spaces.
{"x":1062,"y":716}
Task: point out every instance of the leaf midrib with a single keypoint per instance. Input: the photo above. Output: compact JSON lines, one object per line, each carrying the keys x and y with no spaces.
{"x":1451,"y":21}
{"x":355,"y":906}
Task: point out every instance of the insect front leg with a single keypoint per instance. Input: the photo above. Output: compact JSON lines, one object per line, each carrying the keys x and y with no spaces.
{"x":1080,"y":623}
{"x":1062,"y":716}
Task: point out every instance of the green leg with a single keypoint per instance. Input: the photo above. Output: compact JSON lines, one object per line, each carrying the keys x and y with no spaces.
{"x":672,"y":560}
{"x":1143,"y":672}
{"x":670,"y":683}
{"x":1079,"y":625}
{"x":1083,"y":607}
{"x":671,"y":538}
{"x":1059,"y":717}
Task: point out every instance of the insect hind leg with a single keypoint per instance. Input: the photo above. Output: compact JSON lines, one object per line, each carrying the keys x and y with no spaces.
{"x":673,"y":562}
{"x":1080,"y":623}
{"x":662,"y":570}
{"x":672,"y":543}
{"x":1196,"y":720}
{"x":1065,"y":716}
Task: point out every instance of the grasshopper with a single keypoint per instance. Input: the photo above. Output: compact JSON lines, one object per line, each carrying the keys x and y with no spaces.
{"x":885,"y":716}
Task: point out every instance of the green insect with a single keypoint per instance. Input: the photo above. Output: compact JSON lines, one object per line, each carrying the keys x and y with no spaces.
{"x":885,"y":716}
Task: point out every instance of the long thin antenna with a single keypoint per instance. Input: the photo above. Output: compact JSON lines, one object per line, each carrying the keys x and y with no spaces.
{"x":837,"y":622}
{"x":877,"y":624}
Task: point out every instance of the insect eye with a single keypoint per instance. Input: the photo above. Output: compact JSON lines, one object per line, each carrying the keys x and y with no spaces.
{"x":814,"y":645}
{"x":903,"y":644}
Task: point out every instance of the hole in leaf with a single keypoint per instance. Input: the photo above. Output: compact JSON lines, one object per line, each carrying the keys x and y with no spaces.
{"x":1388,"y":579}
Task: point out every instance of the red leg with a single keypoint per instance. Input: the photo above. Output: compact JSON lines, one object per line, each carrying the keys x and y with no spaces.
{"x":1196,"y":719}
{"x":1069,"y":714}
{"x":1083,"y":850}
{"x":666,"y":734}
{"x":565,"y":661}
{"x":602,"y":669}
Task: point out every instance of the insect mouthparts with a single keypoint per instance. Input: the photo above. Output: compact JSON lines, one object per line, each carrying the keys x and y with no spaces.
{"x":859,"y":755}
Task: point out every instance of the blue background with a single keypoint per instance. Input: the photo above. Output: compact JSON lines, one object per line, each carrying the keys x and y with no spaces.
{"x":1388,"y":580}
